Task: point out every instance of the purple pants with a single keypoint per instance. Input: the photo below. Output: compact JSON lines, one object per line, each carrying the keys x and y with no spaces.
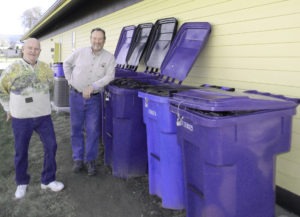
{"x":23,"y":130}
{"x":85,"y":125}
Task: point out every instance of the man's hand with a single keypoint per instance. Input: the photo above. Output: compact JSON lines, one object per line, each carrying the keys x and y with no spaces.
{"x":8,"y":116}
{"x":86,"y":93}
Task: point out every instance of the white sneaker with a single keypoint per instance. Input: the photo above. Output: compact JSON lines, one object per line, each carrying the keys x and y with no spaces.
{"x":53,"y":186}
{"x":21,"y":191}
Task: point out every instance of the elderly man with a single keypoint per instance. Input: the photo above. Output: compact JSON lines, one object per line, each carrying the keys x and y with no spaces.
{"x":24,"y":95}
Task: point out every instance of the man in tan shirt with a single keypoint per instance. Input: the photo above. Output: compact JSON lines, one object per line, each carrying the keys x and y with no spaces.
{"x":87,"y":71}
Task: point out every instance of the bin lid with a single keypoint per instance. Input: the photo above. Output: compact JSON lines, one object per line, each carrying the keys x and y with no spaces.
{"x":160,"y":39}
{"x":124,"y":44}
{"x":220,"y":100}
{"x":129,"y":83}
{"x":138,"y":43}
{"x":166,"y":89}
{"x":188,"y":43}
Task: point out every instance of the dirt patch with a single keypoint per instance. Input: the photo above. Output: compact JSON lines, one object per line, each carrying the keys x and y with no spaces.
{"x":101,"y":196}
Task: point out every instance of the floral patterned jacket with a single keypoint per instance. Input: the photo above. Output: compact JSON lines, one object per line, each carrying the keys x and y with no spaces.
{"x":25,"y":89}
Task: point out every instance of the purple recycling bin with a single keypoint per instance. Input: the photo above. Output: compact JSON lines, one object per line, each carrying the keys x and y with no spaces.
{"x":61,"y":87}
{"x":128,"y":152}
{"x":58,"y":70}
{"x":165,"y":169}
{"x":230,"y":142}
{"x":126,"y":147}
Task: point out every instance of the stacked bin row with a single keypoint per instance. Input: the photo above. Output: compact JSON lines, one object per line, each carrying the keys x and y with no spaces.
{"x":228,"y":154}
{"x":211,"y":152}
{"x":133,"y":40}
{"x":164,"y":153}
{"x":134,"y":43}
{"x":129,"y":137}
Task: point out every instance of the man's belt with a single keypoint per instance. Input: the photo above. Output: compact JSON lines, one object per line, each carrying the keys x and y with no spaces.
{"x":76,"y":91}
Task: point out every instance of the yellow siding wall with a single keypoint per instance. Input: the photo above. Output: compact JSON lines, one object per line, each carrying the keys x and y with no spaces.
{"x":254,"y":45}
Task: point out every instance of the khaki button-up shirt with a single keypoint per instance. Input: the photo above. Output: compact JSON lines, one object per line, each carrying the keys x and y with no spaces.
{"x":83,"y":68}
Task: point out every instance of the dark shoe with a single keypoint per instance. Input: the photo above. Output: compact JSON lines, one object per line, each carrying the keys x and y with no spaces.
{"x":91,"y":168}
{"x":77,"y":166}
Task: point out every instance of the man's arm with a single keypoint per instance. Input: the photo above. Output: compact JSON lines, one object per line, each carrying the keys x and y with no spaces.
{"x":5,"y":86}
{"x":68,"y":66}
{"x":109,"y":75}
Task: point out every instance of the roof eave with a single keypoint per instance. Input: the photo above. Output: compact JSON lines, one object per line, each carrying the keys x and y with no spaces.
{"x":47,"y":16}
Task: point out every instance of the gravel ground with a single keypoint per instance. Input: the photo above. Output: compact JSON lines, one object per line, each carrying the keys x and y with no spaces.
{"x":101,"y":196}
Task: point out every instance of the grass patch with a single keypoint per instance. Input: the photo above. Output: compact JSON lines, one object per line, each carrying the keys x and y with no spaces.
{"x":37,"y":202}
{"x":99,"y":196}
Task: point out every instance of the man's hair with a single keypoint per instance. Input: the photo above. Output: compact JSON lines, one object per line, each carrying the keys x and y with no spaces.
{"x":100,"y":30}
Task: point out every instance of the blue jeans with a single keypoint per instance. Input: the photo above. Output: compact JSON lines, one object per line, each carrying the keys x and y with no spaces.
{"x":23,"y":130}
{"x":86,"y":125}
